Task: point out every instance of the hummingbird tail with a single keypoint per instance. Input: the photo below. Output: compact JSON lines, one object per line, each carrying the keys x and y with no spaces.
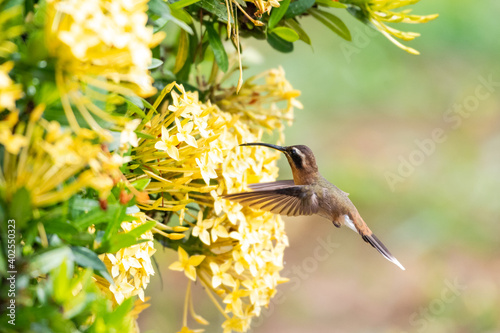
{"x":377,"y":244}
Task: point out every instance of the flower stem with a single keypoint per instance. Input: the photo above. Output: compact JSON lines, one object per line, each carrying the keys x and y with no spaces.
{"x":186,"y":302}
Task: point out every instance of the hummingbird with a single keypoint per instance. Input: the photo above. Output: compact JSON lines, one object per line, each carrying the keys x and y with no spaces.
{"x":309,"y":193}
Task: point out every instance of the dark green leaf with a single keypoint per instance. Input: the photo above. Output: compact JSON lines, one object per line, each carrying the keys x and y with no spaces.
{"x":277,"y":13}
{"x":217,"y":47}
{"x":88,"y":258}
{"x":360,"y":14}
{"x":279,"y":43}
{"x":332,"y":22}
{"x":29,"y":6}
{"x":299,"y":7}
{"x":287,"y":34}
{"x":215,"y":7}
{"x":60,"y":228}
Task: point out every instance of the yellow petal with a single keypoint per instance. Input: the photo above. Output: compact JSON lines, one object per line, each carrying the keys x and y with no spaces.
{"x":174,"y":236}
{"x":190,"y":272}
{"x":183,"y":256}
{"x":176,"y":266}
{"x":173,"y":152}
{"x":196,"y":260}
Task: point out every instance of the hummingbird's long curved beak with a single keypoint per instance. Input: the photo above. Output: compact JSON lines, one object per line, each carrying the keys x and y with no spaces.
{"x":282,"y":149}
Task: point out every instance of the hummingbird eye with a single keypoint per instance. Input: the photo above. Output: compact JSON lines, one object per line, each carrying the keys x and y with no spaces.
{"x":296,"y":157}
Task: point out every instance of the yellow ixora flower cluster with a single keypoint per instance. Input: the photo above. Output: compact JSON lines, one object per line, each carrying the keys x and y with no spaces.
{"x":99,"y":46}
{"x":41,"y":156}
{"x":195,"y":159}
{"x":130,"y":267}
{"x":380,"y":12}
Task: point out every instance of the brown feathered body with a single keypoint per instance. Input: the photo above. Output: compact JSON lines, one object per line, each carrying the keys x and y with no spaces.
{"x":307,"y":194}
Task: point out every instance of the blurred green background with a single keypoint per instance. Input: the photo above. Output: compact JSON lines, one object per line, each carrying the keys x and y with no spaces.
{"x":439,"y":215}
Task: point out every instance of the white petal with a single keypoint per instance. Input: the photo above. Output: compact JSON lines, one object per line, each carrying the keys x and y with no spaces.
{"x":164,"y":133}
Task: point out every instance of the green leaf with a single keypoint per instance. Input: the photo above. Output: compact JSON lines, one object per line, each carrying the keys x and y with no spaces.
{"x":47,"y":261}
{"x":182,"y":3}
{"x":93,"y":217}
{"x":120,"y":241}
{"x":277,"y":13}
{"x":279,"y":43}
{"x":118,"y":315}
{"x":286,"y":33}
{"x":115,"y":222}
{"x":161,"y":9}
{"x":134,"y":109}
{"x":136,"y":100}
{"x":332,"y":22}
{"x":215,"y":7}
{"x":299,"y":7}
{"x":183,"y":74}
{"x":330,"y":3}
{"x":60,"y":284}
{"x":182,"y":52}
{"x":182,"y":15}
{"x":60,"y":228}
{"x":142,"y":183}
{"x":79,"y":205}
{"x":217,"y":47}
{"x":360,"y":14}
{"x":155,"y":63}
{"x":140,"y":230}
{"x":20,"y":208}
{"x":88,"y":258}
{"x":77,"y":304}
{"x":303,"y":36}
{"x":146,"y":103}
{"x":145,"y":135}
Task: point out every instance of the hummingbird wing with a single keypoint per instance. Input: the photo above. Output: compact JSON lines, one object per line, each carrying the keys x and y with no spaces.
{"x":284,"y":198}
{"x":271,"y":185}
